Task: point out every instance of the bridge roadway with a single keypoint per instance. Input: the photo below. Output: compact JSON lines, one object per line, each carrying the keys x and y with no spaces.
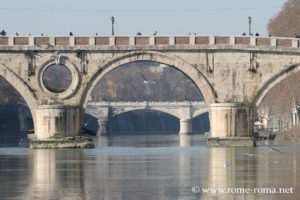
{"x":234,"y":73}
{"x":184,"y":111}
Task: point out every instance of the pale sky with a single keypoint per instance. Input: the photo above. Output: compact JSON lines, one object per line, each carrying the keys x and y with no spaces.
{"x":167,"y":17}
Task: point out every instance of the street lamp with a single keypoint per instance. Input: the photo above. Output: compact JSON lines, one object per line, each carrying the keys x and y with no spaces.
{"x":249,"y":21}
{"x":112,"y":25}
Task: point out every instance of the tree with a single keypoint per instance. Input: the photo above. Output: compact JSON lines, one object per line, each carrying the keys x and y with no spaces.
{"x":286,"y":22}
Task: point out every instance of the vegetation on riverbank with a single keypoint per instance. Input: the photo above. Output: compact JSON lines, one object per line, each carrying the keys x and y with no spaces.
{"x":292,"y":135}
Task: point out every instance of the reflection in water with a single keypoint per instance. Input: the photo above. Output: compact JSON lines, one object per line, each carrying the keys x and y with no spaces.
{"x":185,"y":140}
{"x":57,"y":175}
{"x":147,"y":167}
{"x":231,"y":168}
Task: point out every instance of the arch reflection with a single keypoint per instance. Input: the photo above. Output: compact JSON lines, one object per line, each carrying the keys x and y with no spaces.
{"x":57,"y":174}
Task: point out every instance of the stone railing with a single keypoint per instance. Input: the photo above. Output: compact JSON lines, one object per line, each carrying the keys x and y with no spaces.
{"x":145,"y":103}
{"x":148,"y":41}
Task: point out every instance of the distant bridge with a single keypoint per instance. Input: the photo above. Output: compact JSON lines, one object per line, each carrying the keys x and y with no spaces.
{"x":184,"y":111}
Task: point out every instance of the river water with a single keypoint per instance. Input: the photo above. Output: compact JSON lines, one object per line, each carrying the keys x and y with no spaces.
{"x":151,"y":167}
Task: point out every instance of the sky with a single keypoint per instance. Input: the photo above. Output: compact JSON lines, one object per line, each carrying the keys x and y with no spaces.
{"x":167,"y":17}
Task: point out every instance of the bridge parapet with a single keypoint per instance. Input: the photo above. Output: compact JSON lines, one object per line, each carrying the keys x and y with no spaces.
{"x":174,"y":108}
{"x":104,"y":41}
{"x":148,"y":103}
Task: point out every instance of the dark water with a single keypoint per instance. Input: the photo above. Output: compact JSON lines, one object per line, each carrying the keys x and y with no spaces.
{"x":149,"y":167}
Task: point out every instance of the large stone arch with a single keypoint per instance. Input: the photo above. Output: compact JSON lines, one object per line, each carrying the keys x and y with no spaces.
{"x":22,"y":88}
{"x":267,"y":86}
{"x":182,"y":65}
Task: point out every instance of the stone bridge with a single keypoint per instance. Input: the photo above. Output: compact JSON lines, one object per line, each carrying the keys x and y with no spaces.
{"x":184,"y":111}
{"x":234,"y":73}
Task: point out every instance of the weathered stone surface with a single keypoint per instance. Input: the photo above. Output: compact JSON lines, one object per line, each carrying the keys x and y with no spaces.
{"x":222,"y":40}
{"x":41,"y":41}
{"x":62,"y":41}
{"x":57,"y":119}
{"x":102,"y":40}
{"x":82,"y":40}
{"x":263,"y":41}
{"x":231,"y":120}
{"x":242,"y":40}
{"x":284,"y":42}
{"x":231,"y":142}
{"x":62,"y":143}
{"x":182,"y":40}
{"x":122,"y":40}
{"x":162,"y":40}
{"x":142,"y":40}
{"x":202,"y":40}
{"x":3,"y":40}
{"x":226,"y":69}
{"x":21,"y":41}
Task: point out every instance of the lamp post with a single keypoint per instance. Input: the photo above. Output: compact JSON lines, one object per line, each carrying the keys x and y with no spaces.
{"x":112,"y":25}
{"x":249,"y":21}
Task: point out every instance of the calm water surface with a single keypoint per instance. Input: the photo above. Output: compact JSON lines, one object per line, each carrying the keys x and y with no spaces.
{"x":149,"y":167}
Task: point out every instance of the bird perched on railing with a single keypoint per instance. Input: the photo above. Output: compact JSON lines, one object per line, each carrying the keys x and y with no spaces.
{"x":3,"y":33}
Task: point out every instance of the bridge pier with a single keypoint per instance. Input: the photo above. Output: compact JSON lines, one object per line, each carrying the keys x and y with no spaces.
{"x":185,"y":126}
{"x":231,"y":125}
{"x":59,"y":126}
{"x":103,"y":126}
{"x":52,"y":120}
{"x":185,"y":120}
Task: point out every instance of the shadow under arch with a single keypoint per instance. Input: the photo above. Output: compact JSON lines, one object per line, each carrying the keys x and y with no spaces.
{"x":190,"y":71}
{"x":267,"y":86}
{"x":166,"y":111}
{"x":200,"y":122}
{"x":90,"y":123}
{"x":148,"y":121}
{"x":22,"y":89}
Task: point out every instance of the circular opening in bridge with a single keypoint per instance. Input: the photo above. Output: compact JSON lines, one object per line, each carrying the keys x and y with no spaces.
{"x":57,"y":78}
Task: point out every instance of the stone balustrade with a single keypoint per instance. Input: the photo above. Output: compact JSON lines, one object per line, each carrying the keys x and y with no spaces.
{"x":148,"y":103}
{"x":194,"y":40}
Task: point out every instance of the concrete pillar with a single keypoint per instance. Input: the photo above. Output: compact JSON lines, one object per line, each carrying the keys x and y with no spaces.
{"x":185,"y":126}
{"x":185,"y":120}
{"x":103,"y":120}
{"x":57,"y":120}
{"x":103,"y":126}
{"x":231,"y":120}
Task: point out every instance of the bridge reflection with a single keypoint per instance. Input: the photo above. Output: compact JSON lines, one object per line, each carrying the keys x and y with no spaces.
{"x":151,"y":173}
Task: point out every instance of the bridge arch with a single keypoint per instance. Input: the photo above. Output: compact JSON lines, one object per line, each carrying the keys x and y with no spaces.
{"x":145,"y":120}
{"x":17,"y":83}
{"x":189,"y":70}
{"x":267,"y":86}
{"x":199,"y":112}
{"x":170,"y":112}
